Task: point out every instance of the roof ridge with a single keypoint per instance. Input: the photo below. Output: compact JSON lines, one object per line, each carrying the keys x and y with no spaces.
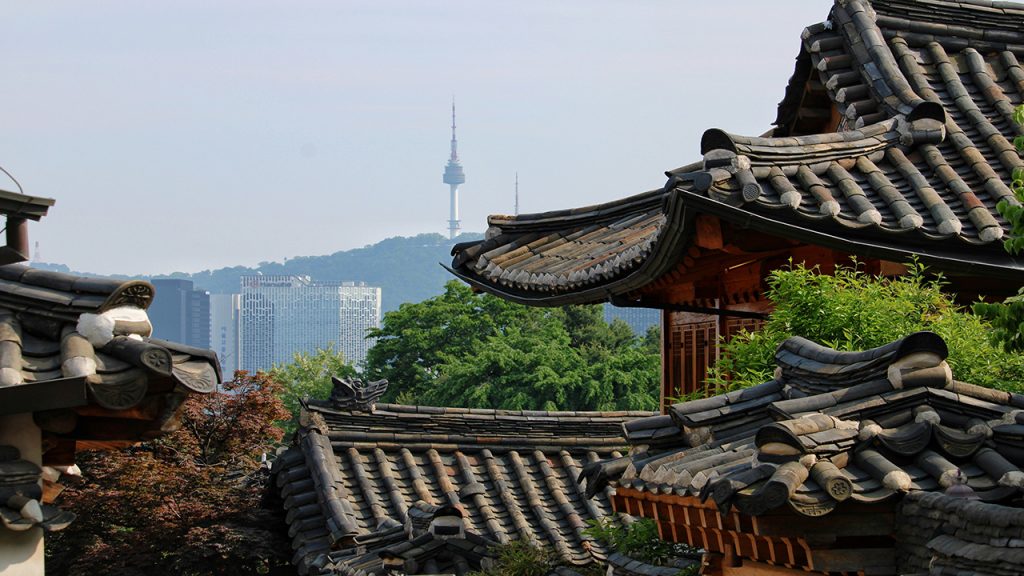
{"x":979,"y":20}
{"x":453,"y":410}
{"x":58,"y":294}
{"x":595,"y":213}
{"x":804,"y":149}
{"x":462,"y":428}
{"x":857,"y":22}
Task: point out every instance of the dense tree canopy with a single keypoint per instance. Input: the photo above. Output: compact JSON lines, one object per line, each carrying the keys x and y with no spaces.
{"x":466,"y":349}
{"x":188,"y":503}
{"x":851,"y":310}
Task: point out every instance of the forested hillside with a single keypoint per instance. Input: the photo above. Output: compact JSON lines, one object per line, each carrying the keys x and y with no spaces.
{"x":406,"y":268}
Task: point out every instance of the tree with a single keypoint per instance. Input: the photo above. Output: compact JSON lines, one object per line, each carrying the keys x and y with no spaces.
{"x":412,"y":339}
{"x":309,"y":376}
{"x":187,"y":503}
{"x":1008,"y":317}
{"x":466,"y":349}
{"x":852,"y":310}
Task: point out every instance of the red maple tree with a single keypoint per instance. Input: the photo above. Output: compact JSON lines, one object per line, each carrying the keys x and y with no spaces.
{"x":188,"y":503}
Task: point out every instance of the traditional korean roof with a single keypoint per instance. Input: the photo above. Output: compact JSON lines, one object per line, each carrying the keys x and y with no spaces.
{"x":76,"y":352}
{"x":914,"y":164}
{"x":366,"y":483}
{"x":832,"y":427}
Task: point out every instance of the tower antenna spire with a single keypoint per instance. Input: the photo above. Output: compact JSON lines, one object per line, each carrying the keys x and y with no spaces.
{"x":517,"y":194}
{"x":454,"y":177}
{"x":455,"y":143}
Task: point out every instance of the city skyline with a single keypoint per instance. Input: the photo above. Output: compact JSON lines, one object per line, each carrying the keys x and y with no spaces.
{"x":265,"y":133}
{"x":280,"y":316}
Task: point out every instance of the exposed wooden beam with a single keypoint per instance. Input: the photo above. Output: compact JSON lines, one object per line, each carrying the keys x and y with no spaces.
{"x":709,"y":232}
{"x":622,"y":303}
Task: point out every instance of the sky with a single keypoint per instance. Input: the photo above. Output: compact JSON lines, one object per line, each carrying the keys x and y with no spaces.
{"x":192,"y":135}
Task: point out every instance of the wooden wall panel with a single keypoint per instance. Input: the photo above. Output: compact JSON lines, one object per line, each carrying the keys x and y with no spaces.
{"x":690,"y":349}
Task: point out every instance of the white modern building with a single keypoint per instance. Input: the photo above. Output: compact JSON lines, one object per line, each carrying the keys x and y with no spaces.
{"x":224,"y":313}
{"x":280,"y":316}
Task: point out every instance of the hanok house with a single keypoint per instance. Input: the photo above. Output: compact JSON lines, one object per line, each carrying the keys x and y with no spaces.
{"x":379,"y":489}
{"x":78,"y":371}
{"x":893,"y":141}
{"x":874,"y":462}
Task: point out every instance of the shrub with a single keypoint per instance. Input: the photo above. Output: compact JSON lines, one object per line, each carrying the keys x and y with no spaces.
{"x":852,"y":310}
{"x":639,"y":541}
{"x":520,"y":558}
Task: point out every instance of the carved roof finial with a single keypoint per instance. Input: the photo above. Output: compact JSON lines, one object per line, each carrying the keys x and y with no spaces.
{"x":356,"y":395}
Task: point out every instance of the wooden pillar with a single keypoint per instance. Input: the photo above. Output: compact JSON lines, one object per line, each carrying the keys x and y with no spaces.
{"x":666,"y":380}
{"x":17,"y":235}
{"x":21,"y":553}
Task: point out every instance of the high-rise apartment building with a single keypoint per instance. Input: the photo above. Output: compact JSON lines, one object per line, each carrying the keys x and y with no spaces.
{"x":282,"y":315}
{"x":639,"y":319}
{"x":224,"y":311}
{"x":181,"y":313}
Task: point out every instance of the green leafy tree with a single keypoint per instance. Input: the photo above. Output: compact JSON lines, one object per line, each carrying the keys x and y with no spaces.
{"x":535,"y":369}
{"x":466,"y":349}
{"x":652,"y":340}
{"x":309,"y":376}
{"x":1008,"y":317}
{"x":852,"y":310}
{"x":412,"y":340}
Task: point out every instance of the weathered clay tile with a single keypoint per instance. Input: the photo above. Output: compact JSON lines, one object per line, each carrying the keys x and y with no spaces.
{"x":871,"y":439}
{"x":361,"y":467}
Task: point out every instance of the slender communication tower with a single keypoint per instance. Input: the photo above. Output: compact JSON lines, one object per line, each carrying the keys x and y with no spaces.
{"x":454,"y":177}
{"x":517,"y":194}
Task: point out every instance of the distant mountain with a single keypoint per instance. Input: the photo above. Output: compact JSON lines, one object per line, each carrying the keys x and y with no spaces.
{"x":406,"y":268}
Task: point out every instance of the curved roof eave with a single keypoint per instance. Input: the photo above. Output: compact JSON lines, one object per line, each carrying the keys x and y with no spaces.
{"x":661,"y":259}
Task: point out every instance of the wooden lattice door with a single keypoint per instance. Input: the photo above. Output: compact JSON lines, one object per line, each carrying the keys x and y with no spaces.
{"x":690,"y":350}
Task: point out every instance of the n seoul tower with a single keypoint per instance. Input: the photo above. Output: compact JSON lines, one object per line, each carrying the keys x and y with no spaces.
{"x":453,"y":177}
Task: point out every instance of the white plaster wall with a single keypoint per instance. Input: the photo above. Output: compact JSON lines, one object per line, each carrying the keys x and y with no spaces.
{"x":21,"y":553}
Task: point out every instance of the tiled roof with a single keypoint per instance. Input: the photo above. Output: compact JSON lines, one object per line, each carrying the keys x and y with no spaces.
{"x":65,"y":296}
{"x":364,"y":481}
{"x":57,"y":327}
{"x":75,"y":353}
{"x":922,"y":155}
{"x":832,"y":426}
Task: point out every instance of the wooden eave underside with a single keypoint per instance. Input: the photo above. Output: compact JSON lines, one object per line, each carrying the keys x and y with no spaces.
{"x":858,"y":538}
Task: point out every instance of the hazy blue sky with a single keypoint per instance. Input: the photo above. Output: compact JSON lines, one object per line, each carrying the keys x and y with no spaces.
{"x":194,"y":134}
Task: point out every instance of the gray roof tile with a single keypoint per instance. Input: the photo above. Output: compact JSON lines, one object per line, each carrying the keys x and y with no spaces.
{"x":511,"y":473}
{"x":917,"y":167}
{"x":927,"y":446}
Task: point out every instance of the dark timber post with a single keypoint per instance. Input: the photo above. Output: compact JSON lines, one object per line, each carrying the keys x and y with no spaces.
{"x":17,"y":235}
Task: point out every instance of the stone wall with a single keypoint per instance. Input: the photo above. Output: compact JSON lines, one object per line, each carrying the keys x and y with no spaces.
{"x":940,"y":535}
